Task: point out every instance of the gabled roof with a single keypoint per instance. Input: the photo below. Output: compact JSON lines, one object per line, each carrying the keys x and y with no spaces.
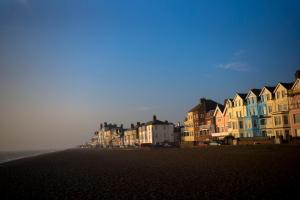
{"x":196,"y":108}
{"x":210,"y":105}
{"x":220,"y":108}
{"x":295,"y":83}
{"x":285,"y":85}
{"x":269,"y":88}
{"x":254,"y":91}
{"x":242,"y":95}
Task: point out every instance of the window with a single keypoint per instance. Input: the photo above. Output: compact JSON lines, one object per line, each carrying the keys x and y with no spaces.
{"x":255,"y":124}
{"x":279,"y":108}
{"x":263,"y":122}
{"x":285,"y":119}
{"x":252,"y":100}
{"x":277,"y":120}
{"x":241,"y":124}
{"x":268,"y":97}
{"x":240,"y":113}
{"x":230,"y":115}
{"x":278,"y":95}
{"x":264,"y":110}
{"x":270,"y":109}
{"x":262,"y":98}
{"x":297,"y":118}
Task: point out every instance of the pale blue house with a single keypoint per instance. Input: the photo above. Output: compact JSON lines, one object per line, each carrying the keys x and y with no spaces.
{"x":251,"y":120}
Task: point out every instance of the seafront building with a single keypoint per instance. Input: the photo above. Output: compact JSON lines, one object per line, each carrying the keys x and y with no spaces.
{"x":131,"y":135}
{"x":281,"y":110}
{"x":294,"y":108}
{"x":200,"y":123}
{"x":237,"y":114}
{"x":269,"y":113}
{"x":156,"y":132}
{"x":251,"y":120}
{"x":221,"y":120}
{"x":266,"y":105}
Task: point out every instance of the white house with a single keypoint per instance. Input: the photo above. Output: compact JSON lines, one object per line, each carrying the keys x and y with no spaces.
{"x":156,"y":132}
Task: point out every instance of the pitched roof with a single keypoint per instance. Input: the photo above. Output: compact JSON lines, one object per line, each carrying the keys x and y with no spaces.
{"x":271,"y":89}
{"x":221,"y":107}
{"x":242,"y":95}
{"x":209,"y":105}
{"x":255,"y":91}
{"x":156,"y":122}
{"x":285,"y":85}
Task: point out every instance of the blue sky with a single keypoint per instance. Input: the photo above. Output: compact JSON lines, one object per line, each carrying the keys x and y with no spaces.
{"x":67,"y":65}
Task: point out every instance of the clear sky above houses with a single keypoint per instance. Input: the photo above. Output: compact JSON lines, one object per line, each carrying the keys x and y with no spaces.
{"x":67,"y":65}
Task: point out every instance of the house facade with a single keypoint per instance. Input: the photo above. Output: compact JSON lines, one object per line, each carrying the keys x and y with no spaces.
{"x":238,"y":112}
{"x":280,"y":112}
{"x":131,"y":136}
{"x":251,"y":120}
{"x":266,"y":107}
{"x":221,"y":122}
{"x":189,"y":130}
{"x":156,"y":132}
{"x":294,"y":108}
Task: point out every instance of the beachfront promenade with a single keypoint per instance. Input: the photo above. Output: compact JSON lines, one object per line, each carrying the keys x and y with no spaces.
{"x":220,"y":172}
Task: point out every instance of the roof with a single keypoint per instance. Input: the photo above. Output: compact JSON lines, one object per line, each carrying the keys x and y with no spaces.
{"x":271,"y":89}
{"x":209,"y":105}
{"x":219,"y":107}
{"x":286,"y":85}
{"x":157,"y":122}
{"x":242,"y":95}
{"x":256,"y":91}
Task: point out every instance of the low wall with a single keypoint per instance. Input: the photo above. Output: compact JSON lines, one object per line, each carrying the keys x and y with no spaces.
{"x":251,"y":141}
{"x":187,"y":145}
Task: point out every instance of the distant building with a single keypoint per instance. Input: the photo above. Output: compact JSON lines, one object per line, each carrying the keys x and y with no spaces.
{"x":110,"y":135}
{"x":156,"y":132}
{"x":131,"y":135}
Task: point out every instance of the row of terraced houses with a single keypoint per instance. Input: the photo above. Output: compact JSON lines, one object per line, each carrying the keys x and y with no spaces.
{"x":271,"y":112}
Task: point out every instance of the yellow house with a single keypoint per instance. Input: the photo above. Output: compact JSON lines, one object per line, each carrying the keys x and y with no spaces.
{"x":238,"y":113}
{"x":266,"y":110}
{"x":280,"y":112}
{"x":228,"y":115}
{"x":189,"y":128}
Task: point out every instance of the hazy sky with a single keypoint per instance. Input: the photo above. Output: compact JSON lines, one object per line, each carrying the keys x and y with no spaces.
{"x":67,"y":65}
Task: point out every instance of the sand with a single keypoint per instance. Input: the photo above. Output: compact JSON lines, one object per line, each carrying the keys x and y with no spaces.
{"x":225,"y":172}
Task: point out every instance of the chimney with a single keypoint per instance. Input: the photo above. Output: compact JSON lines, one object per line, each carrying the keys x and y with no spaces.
{"x":154,"y":118}
{"x":105,"y":124}
{"x":132,"y":126}
{"x":297,"y":74}
{"x":138,"y":124}
{"x":101,"y":126}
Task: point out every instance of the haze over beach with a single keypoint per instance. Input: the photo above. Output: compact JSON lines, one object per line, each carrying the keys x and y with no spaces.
{"x":66,"y":66}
